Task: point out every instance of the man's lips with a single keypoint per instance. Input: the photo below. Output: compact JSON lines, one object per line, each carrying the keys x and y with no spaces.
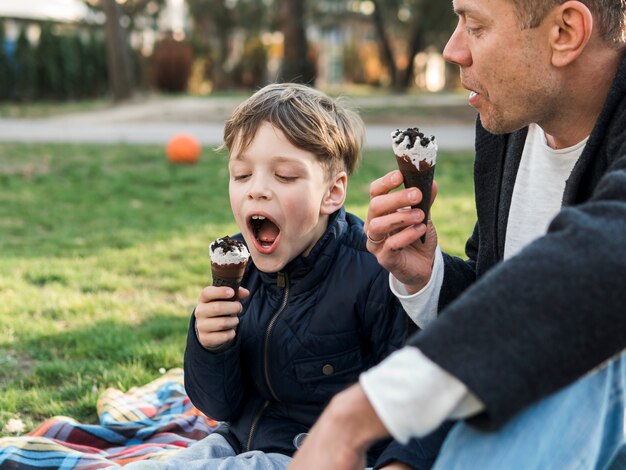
{"x":474,"y":99}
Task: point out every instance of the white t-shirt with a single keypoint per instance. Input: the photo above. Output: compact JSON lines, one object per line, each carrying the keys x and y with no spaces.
{"x":411,"y":394}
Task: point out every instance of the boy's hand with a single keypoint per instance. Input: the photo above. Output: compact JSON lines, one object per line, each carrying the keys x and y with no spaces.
{"x":394,"y":231}
{"x":217,"y":317}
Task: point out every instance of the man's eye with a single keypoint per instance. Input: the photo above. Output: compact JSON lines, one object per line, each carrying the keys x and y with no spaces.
{"x":473,"y":31}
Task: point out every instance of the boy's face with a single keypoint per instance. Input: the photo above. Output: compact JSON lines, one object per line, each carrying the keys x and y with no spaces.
{"x":277,"y":195}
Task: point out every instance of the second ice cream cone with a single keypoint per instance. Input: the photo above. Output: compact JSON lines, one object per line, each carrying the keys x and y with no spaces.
{"x":416,"y":155}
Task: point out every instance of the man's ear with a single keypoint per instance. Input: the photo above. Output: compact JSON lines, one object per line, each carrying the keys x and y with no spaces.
{"x":570,"y":32}
{"x":336,"y":194}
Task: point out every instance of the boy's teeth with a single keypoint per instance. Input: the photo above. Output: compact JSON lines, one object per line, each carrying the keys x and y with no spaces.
{"x":258,"y":217}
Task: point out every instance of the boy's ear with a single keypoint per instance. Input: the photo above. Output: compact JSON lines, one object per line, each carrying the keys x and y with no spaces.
{"x":335,"y":195}
{"x":570,"y":33}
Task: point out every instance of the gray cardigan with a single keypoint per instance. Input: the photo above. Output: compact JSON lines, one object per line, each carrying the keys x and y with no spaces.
{"x":516,"y":331}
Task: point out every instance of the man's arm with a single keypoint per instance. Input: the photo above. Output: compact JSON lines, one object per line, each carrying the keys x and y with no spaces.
{"x":540,"y":320}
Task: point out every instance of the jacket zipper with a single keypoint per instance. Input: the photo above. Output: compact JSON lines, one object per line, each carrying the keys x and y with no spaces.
{"x":282,"y":281}
{"x":254,"y":425}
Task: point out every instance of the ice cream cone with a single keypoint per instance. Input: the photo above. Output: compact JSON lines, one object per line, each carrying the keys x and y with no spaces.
{"x":416,"y":155}
{"x":229,"y":258}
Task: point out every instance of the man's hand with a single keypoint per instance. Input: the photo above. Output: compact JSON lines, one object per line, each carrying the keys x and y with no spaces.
{"x":394,"y":230}
{"x":342,"y":434}
{"x":216,"y":316}
{"x":397,"y":466}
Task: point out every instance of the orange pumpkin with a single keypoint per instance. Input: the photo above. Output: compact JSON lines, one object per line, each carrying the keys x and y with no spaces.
{"x":183,"y":148}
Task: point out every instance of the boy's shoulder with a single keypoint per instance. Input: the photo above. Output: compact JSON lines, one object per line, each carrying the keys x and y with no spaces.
{"x":355,"y":237}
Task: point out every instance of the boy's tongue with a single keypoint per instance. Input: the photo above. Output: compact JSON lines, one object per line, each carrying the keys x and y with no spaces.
{"x":268,"y":232}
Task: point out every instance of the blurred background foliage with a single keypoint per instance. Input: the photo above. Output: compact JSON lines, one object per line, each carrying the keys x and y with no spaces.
{"x":124,"y":47}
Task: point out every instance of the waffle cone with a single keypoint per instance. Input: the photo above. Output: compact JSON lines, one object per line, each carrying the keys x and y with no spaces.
{"x":228,"y":275}
{"x":421,"y":179}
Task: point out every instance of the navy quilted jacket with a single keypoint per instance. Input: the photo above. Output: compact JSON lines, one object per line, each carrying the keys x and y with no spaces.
{"x":305,"y":334}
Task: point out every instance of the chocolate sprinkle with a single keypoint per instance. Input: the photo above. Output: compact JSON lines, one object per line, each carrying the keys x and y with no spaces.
{"x":227,"y":244}
{"x":414,"y":134}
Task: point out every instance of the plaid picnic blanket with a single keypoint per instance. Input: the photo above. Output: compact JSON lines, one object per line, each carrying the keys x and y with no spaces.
{"x":148,"y":422}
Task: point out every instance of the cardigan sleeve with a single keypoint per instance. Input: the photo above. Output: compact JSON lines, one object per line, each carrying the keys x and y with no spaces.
{"x":540,"y":320}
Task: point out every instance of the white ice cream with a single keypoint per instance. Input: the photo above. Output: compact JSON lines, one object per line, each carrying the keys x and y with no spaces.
{"x":228,"y":251}
{"x":419,"y":148}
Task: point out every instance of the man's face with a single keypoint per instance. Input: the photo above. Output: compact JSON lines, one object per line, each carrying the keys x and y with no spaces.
{"x":507,"y":69}
{"x":276,"y":192}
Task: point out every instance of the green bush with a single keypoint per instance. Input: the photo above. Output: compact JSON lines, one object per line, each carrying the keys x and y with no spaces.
{"x":7,"y":71}
{"x":62,"y":65}
{"x":26,"y":68}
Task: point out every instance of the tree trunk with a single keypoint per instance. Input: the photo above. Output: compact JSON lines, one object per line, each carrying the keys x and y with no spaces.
{"x":297,"y":66}
{"x":415,"y":45}
{"x":383,"y":43}
{"x":118,"y":58}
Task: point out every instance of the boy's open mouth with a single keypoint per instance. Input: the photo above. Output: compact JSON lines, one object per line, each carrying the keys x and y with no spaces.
{"x":264,"y":230}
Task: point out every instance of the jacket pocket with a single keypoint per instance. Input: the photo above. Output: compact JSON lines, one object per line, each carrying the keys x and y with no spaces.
{"x":323,"y":376}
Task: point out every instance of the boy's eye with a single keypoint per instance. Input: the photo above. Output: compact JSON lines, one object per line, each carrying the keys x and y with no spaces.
{"x":286,"y":178}
{"x":240,"y":177}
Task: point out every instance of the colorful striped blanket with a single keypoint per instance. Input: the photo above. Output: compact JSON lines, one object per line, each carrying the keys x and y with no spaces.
{"x":149,"y":422}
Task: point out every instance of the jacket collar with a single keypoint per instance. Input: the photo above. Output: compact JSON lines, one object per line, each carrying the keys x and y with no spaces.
{"x":596,"y":158}
{"x":305,"y":272}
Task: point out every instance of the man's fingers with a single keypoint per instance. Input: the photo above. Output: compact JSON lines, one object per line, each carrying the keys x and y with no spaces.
{"x":435,"y":190}
{"x":389,"y":203}
{"x":380,"y":227}
{"x":386,"y":183}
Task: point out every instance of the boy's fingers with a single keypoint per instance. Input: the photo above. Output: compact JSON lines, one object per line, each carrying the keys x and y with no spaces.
{"x":221,"y":323}
{"x":218,"y":308}
{"x":242,"y":293}
{"x":211,"y":293}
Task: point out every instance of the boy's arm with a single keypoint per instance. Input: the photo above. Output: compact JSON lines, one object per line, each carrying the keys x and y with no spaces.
{"x":213,"y":380}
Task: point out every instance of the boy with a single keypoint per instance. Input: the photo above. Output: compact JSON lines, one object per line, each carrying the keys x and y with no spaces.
{"x":316,"y":309}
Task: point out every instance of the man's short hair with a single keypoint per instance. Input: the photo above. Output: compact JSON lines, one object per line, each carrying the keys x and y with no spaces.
{"x":609,"y":14}
{"x":310,"y":120}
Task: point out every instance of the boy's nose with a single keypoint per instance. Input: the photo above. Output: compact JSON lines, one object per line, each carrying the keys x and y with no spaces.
{"x":259,"y":189}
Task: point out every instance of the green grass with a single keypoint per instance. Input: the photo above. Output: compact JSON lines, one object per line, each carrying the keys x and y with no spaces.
{"x":103,"y":252}
{"x":40,"y":109}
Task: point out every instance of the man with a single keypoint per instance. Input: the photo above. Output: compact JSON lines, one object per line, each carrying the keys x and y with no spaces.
{"x":527,"y":345}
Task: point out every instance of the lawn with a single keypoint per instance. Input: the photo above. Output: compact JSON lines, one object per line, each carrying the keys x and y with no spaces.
{"x":104,"y":251}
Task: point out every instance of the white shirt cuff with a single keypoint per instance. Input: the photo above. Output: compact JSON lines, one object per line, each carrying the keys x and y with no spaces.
{"x":421,"y":306}
{"x":412,"y":395}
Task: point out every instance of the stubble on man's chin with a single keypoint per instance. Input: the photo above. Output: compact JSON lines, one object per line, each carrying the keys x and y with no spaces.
{"x":498,"y":125}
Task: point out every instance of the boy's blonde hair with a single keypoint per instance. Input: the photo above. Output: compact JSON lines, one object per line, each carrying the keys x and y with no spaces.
{"x":310,"y":120}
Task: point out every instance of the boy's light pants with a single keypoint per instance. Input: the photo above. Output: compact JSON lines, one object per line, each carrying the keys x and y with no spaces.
{"x":580,"y":427}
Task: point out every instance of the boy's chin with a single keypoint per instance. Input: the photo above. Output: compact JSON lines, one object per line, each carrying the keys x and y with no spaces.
{"x":268,"y":263}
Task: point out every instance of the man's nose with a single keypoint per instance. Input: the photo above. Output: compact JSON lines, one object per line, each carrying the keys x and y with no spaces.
{"x":456,"y":50}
